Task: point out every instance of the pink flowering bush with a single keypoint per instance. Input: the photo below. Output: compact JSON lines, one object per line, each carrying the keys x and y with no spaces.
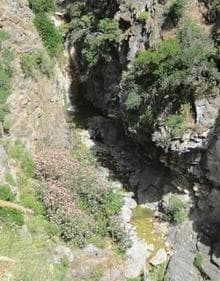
{"x":77,"y":199}
{"x":54,"y":169}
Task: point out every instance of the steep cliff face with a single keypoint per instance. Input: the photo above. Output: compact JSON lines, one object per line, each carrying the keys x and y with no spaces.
{"x":181,"y":133}
{"x":36,"y":105}
{"x":51,"y":185}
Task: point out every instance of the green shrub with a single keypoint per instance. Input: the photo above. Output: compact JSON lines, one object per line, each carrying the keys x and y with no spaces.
{"x":198,"y":260}
{"x":133,"y":100}
{"x":179,"y":123}
{"x":118,"y":236}
{"x":18,"y":152}
{"x":176,"y":211}
{"x":6,"y":58}
{"x":112,"y":202}
{"x":39,"y":225}
{"x":49,"y":34}
{"x":29,"y":64}
{"x":42,"y":6}
{"x":147,"y":119}
{"x":169,"y":75}
{"x":143,"y":16}
{"x":11,"y":216}
{"x":7,"y":124}
{"x":176,"y":10}
{"x":157,"y":273}
{"x":33,"y":63}
{"x":10,"y":179}
{"x":6,"y":194}
{"x":176,"y":125}
{"x":78,"y":230}
{"x":3,"y":36}
{"x":214,"y":8}
{"x":99,"y":43}
{"x":29,"y":200}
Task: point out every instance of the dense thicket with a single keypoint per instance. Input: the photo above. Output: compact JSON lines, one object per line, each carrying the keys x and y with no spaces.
{"x":94,"y":30}
{"x":170,"y":75}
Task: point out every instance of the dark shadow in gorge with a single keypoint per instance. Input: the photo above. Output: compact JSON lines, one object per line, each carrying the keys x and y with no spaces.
{"x":137,"y":166}
{"x":127,"y":160}
{"x":130,"y":163}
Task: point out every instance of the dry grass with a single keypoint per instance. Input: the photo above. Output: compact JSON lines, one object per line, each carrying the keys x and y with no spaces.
{"x":6,"y":204}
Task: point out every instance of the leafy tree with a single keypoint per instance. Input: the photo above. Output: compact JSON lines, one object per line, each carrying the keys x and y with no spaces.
{"x":50,"y":35}
{"x":100,"y":43}
{"x":41,"y":6}
{"x":176,"y":10}
{"x":174,"y":69}
{"x":133,"y":100}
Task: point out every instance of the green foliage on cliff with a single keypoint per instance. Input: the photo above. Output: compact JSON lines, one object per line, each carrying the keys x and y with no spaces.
{"x":157,"y":273}
{"x":6,"y":58}
{"x":172,"y":73}
{"x":176,"y":10}
{"x":133,"y":100}
{"x":5,"y":193}
{"x":50,"y":35}
{"x":11,"y":216}
{"x":94,"y":30}
{"x":175,"y":123}
{"x":35,"y":62}
{"x":17,"y":151}
{"x":198,"y":260}
{"x":215,"y":7}
{"x":99,"y":43}
{"x":175,"y":212}
{"x":3,"y":36}
{"x":143,"y":16}
{"x":41,"y":6}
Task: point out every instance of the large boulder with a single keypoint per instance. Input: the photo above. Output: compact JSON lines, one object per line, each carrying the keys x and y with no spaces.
{"x":183,"y":241}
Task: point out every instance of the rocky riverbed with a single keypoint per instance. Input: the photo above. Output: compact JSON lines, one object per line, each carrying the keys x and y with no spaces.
{"x":147,"y":236}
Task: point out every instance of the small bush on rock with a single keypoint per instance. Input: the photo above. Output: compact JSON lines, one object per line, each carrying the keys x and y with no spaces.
{"x":143,"y":16}
{"x":198,"y":260}
{"x":10,"y":179}
{"x":175,"y":123}
{"x":78,"y":229}
{"x":11,"y":216}
{"x":176,"y":10}
{"x":3,"y":36}
{"x":50,"y":35}
{"x":6,"y":194}
{"x":35,"y":62}
{"x":175,"y":211}
{"x":118,"y":236}
{"x":19,"y":153}
{"x":42,"y":6}
{"x":6,"y":58}
{"x":133,"y":100}
{"x":157,"y":273}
